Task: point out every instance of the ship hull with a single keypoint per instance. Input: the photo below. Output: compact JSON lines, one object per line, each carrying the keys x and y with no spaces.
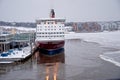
{"x":50,"y":45}
{"x":51,"y":52}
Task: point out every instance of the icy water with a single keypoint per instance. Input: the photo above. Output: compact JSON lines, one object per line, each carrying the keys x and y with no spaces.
{"x":79,"y":61}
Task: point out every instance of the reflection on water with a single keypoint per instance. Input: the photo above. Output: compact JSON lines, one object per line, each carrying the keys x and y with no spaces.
{"x":43,"y":59}
{"x":51,"y":63}
{"x":39,"y":67}
{"x":54,"y":74}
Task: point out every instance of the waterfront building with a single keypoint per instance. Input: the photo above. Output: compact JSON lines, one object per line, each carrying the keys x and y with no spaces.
{"x":5,"y":40}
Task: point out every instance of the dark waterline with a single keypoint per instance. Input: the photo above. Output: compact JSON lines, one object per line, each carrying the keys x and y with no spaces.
{"x":79,"y":61}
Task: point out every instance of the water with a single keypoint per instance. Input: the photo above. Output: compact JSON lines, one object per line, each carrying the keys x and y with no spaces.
{"x":79,"y":61}
{"x":113,"y":57}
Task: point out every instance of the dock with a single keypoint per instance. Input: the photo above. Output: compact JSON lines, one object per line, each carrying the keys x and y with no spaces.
{"x":15,"y":55}
{"x":15,"y":46}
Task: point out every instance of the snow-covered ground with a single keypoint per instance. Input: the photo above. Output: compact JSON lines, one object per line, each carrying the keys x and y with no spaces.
{"x":19,"y":28}
{"x":107,"y":39}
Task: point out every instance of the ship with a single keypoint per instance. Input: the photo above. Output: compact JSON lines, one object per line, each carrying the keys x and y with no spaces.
{"x":50,"y":33}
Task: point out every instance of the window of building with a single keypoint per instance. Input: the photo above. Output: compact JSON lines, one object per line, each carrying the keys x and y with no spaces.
{"x":39,"y":23}
{"x":44,"y":22}
{"x":55,"y":22}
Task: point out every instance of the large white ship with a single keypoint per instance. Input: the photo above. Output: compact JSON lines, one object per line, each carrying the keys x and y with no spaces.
{"x":50,"y":33}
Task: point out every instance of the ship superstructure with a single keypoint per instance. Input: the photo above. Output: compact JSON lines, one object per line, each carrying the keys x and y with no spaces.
{"x":50,"y":32}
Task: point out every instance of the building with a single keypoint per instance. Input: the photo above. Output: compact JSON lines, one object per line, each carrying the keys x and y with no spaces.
{"x":5,"y":40}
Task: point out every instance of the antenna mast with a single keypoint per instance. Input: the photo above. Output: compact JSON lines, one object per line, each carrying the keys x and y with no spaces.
{"x":52,"y":13}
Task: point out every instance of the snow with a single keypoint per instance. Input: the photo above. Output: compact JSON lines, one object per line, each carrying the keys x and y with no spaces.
{"x":20,"y":28}
{"x":17,"y":54}
{"x":106,"y":39}
{"x":113,"y":57}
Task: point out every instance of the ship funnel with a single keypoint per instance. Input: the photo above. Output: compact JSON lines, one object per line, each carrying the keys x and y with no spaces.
{"x":52,"y":13}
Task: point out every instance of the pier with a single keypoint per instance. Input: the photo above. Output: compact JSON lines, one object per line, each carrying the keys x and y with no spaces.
{"x":16,"y":47}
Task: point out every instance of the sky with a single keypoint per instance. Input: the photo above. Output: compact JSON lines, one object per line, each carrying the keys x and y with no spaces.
{"x":71,"y":10}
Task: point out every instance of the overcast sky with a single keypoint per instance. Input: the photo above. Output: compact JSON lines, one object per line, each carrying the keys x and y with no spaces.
{"x":72,"y":10}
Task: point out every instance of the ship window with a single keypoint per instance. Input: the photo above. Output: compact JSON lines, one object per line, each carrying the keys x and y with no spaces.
{"x":55,"y":22}
{"x":39,"y":23}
